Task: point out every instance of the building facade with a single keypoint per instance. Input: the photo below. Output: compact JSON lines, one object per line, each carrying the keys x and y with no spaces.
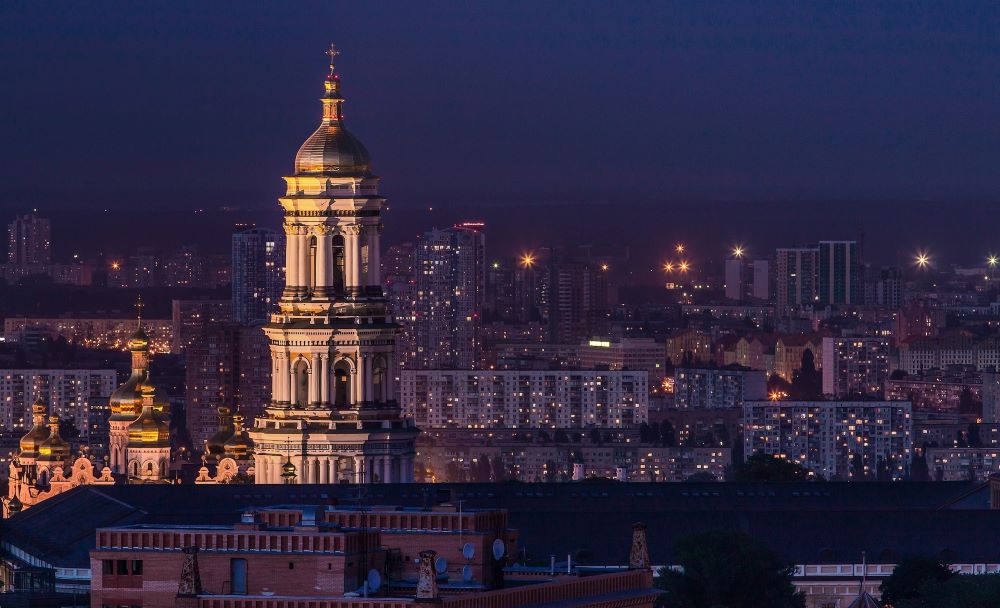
{"x":855,"y":366}
{"x":795,"y":278}
{"x":77,"y":395}
{"x":258,"y":274}
{"x":29,"y":241}
{"x":450,"y":295}
{"x":525,"y":399}
{"x":333,"y":413}
{"x":717,"y":388}
{"x":839,"y":273}
{"x":833,"y":439}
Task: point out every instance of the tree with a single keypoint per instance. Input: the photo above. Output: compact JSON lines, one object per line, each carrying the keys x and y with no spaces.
{"x":972,"y":591}
{"x":667,"y":434}
{"x":807,"y":382}
{"x":724,"y":569}
{"x":561,"y":436}
{"x":595,"y":436}
{"x":968,"y":405}
{"x":763,"y":467}
{"x":919,"y":470}
{"x":910,"y":575}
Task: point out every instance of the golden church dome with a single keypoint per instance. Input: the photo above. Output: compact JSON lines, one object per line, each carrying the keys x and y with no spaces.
{"x":149,"y":430}
{"x":215,"y":446}
{"x":39,"y":432}
{"x":139,"y":340}
{"x":238,"y":444}
{"x":331,"y":149}
{"x":54,"y":448}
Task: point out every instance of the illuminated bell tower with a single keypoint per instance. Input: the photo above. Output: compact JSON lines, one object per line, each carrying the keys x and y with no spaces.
{"x":333,"y":412}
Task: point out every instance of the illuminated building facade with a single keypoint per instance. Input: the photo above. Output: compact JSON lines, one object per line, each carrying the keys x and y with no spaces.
{"x":833,"y":439}
{"x":29,"y":241}
{"x":450,"y":294}
{"x":525,"y":399}
{"x":91,"y":333}
{"x":333,"y":414}
{"x":855,"y":366}
{"x":258,"y":274}
{"x":714,"y":388}
{"x":796,"y":278}
{"x":79,"y":395}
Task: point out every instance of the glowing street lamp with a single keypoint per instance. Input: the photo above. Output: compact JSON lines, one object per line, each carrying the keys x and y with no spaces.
{"x":679,"y":248}
{"x":738,"y":251}
{"x":604,"y":267}
{"x":684,"y":266}
{"x":528,"y":260}
{"x":668,"y":266}
{"x":992,"y":261}
{"x":923,"y":260}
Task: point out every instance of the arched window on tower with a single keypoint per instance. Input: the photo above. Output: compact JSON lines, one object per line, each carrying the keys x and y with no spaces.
{"x":301,"y":389}
{"x":378,"y":379}
{"x":337,"y":242}
{"x":342,"y":384}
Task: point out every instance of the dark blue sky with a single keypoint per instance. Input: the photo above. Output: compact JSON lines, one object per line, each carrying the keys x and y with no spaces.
{"x":473,"y":104}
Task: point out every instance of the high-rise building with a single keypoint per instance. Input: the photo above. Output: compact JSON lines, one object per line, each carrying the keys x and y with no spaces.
{"x":258,"y":274}
{"x":333,"y":414}
{"x":30,"y":240}
{"x":796,"y":276}
{"x":855,"y":366}
{"x":450,"y":293}
{"x":578,"y":298}
{"x":747,"y":279}
{"x":189,"y":317}
{"x":77,"y":395}
{"x":833,"y":439}
{"x":839,"y":273}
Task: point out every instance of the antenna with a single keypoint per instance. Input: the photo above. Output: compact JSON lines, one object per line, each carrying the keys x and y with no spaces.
{"x":468,"y":551}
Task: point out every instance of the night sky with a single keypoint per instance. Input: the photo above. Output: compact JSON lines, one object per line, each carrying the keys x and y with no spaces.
{"x":477,"y":106}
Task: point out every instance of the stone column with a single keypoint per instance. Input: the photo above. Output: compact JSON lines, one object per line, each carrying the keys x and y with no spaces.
{"x":362,"y":378}
{"x":369,"y":384}
{"x":324,"y":470}
{"x":354,"y":391}
{"x":324,"y":263}
{"x":352,"y":260}
{"x":311,"y":392}
{"x":303,"y":264}
{"x":324,"y":378}
{"x":359,"y":469}
{"x":284,"y":376}
{"x":374,"y":256}
{"x":387,"y":470}
{"x":291,"y":259}
{"x":291,"y":382}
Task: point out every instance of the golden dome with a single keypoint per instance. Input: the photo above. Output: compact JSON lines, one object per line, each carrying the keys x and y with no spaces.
{"x":149,"y":430}
{"x":216,"y":445}
{"x":39,"y":432}
{"x":238,"y":445}
{"x":54,"y":448}
{"x":331,"y":149}
{"x":139,"y":340}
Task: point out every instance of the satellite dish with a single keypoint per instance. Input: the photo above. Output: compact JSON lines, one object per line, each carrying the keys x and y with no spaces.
{"x":467,"y":573}
{"x":468,"y":551}
{"x":374,"y":580}
{"x":499,"y":549}
{"x":441,"y":564}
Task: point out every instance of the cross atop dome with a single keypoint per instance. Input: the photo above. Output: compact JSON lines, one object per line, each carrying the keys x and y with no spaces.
{"x":332,"y":53}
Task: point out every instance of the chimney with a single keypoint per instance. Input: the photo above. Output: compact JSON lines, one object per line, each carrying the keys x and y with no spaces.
{"x":638,"y":556}
{"x":427,"y":587}
{"x":189,"y":586}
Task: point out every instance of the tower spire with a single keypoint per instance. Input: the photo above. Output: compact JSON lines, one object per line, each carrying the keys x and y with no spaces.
{"x":138,"y":310}
{"x":332,"y":53}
